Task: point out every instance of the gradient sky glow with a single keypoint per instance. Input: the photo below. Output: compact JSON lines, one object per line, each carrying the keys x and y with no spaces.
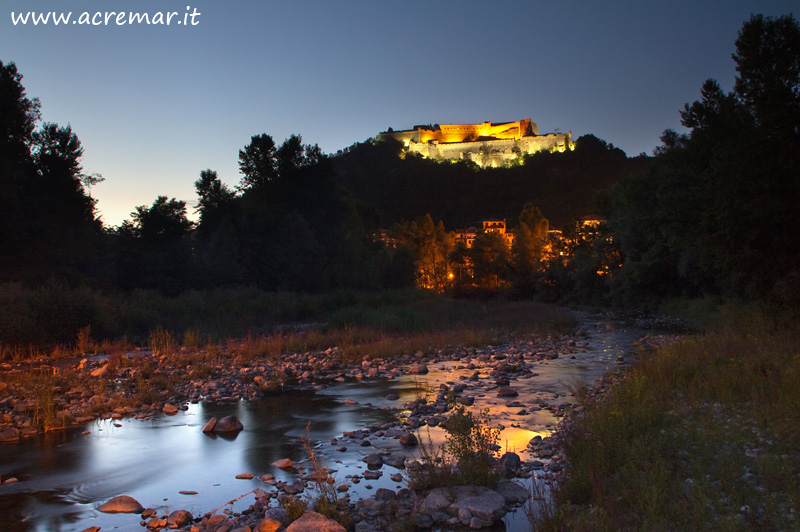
{"x":155,"y":105}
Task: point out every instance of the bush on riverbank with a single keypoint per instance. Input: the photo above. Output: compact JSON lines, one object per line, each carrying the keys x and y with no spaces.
{"x":702,"y":434}
{"x":465,"y":459}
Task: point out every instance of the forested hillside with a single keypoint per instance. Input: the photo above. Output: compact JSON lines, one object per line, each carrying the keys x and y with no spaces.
{"x":562,"y":185}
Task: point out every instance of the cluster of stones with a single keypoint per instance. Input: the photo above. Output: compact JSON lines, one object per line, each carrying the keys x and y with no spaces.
{"x":503,"y":364}
{"x":474,"y":507}
{"x":242,"y":379}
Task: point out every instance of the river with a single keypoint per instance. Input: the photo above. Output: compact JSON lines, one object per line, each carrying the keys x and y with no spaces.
{"x":63,"y":476}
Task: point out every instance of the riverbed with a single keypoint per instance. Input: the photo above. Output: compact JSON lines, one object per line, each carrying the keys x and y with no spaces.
{"x":63,"y":476}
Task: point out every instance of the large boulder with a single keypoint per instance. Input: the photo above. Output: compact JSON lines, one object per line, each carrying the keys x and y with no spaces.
{"x":512,"y":492}
{"x":436,"y":501}
{"x":121,"y":504}
{"x":488,"y":506}
{"x":472,"y":505}
{"x":509,"y":464}
{"x":314,"y":522}
{"x":228,"y":424}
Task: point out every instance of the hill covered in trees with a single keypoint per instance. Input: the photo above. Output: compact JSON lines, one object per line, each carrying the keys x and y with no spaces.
{"x":562,"y":185}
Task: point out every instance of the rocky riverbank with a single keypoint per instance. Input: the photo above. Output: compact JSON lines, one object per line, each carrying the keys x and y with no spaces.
{"x":497,"y":376}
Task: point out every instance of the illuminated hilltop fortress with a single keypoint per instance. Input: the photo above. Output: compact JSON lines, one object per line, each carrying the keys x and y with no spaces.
{"x":487,"y":144}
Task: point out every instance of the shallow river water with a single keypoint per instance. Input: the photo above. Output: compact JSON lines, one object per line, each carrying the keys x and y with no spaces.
{"x":62,"y":477}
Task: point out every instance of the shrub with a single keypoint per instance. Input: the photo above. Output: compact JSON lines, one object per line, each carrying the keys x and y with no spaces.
{"x":465,"y":458}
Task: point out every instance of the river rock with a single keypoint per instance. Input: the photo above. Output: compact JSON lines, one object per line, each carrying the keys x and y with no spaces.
{"x":179,"y":518}
{"x":314,"y":522}
{"x":372,"y":475}
{"x":436,"y":501}
{"x":91,"y":529}
{"x":487,"y":505}
{"x":384,"y":494}
{"x":228,"y":424}
{"x":396,"y":460}
{"x":122,"y":504}
{"x":209,"y":427}
{"x":373,"y":460}
{"x":508,"y":464}
{"x":155,"y":523}
{"x":283,"y":463}
{"x":170,"y":410}
{"x":267,"y":525}
{"x":408,"y":440}
{"x":100,"y":372}
{"x":512,"y":492}
{"x":11,"y":434}
{"x":418,"y":369}
{"x":506,"y":391}
{"x":277,"y":513}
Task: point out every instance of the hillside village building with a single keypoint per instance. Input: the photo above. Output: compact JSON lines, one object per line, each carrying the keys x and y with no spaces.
{"x":467,"y":235}
{"x":487,"y":144}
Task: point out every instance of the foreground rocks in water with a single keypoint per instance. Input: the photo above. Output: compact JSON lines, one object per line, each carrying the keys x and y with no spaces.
{"x":495,"y":368}
{"x":122,"y":504}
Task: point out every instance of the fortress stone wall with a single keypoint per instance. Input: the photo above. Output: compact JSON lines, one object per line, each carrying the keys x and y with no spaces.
{"x":487,"y":144}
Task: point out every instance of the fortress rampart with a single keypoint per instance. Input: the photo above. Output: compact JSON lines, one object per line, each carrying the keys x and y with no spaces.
{"x":487,"y":144}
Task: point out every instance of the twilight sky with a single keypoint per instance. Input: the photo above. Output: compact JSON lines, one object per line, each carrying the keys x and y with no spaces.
{"x":154,"y":105}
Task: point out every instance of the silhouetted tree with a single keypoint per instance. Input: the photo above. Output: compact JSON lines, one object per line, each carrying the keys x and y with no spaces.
{"x":154,"y":249}
{"x":48,"y":228}
{"x":257,"y":162}
{"x":214,"y":200}
{"x":710,"y":215}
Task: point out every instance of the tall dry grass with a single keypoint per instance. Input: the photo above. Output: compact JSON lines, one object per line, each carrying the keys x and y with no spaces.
{"x":701,"y":435}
